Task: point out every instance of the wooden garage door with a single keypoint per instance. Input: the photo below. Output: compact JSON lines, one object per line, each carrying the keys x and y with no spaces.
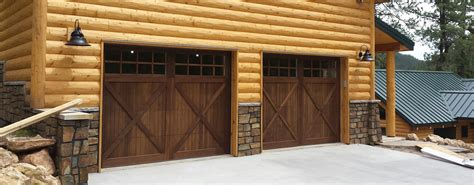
{"x":163,"y":104}
{"x":301,"y":100}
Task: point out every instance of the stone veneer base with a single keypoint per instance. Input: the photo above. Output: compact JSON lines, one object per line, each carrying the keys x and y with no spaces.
{"x":364,"y":123}
{"x":249,"y":131}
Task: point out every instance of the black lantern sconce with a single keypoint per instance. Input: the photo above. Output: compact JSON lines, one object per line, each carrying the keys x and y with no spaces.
{"x":77,"y":38}
{"x":365,"y":56}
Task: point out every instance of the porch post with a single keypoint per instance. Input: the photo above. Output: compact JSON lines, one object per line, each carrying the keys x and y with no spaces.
{"x":390,"y":109}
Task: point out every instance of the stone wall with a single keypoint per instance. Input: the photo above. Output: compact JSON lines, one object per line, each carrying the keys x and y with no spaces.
{"x":364,"y":122}
{"x":249,"y":133}
{"x":76,"y":133}
{"x":13,"y":106}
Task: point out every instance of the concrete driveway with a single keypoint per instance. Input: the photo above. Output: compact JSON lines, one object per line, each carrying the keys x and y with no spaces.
{"x":321,"y":164}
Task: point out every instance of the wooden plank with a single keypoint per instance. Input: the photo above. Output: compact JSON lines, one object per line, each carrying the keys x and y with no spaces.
{"x":372,"y":49}
{"x":37,"y":118}
{"x":72,"y":61}
{"x":38,"y":53}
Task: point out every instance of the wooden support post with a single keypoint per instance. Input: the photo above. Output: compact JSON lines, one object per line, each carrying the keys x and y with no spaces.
{"x":390,"y":110}
{"x":38,"y":53}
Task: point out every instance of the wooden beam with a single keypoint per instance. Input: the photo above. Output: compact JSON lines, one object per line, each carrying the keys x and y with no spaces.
{"x":235,"y":105}
{"x":372,"y":49}
{"x":38,"y":54}
{"x":344,"y":83}
{"x":390,"y":110}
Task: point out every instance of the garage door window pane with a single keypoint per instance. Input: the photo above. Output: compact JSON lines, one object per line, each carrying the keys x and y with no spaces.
{"x":145,"y":56}
{"x":219,"y":60}
{"x":158,"y":69}
{"x":112,"y":55}
{"x":207,"y":59}
{"x":112,"y":68}
{"x":182,"y":59}
{"x":129,"y":68}
{"x":129,"y":55}
{"x":194,"y":70}
{"x":194,"y":59}
{"x":182,"y":70}
{"x":219,"y":71}
{"x":207,"y":71}
{"x":144,"y":68}
{"x":159,"y":57}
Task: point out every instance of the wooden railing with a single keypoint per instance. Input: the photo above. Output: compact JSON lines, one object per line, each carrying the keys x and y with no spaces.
{"x":37,"y":118}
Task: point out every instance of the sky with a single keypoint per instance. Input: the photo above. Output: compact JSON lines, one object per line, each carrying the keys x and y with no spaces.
{"x":419,"y":51}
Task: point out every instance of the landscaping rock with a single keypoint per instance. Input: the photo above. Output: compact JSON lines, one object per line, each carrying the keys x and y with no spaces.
{"x":435,"y":139}
{"x":19,"y":144}
{"x":12,"y":176}
{"x":412,"y":137}
{"x":7,"y":158}
{"x":40,"y":158}
{"x":37,"y":174}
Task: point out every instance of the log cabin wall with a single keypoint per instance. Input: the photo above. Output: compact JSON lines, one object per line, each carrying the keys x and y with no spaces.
{"x":252,"y":26}
{"x":16,"y":38}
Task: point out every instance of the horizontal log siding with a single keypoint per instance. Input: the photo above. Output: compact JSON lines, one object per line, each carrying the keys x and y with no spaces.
{"x":15,"y":38}
{"x":249,"y":27}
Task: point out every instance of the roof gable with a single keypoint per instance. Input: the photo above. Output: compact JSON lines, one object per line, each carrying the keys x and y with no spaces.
{"x":419,"y":99}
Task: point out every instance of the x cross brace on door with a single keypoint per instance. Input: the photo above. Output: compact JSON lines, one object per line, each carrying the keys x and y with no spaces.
{"x":135,"y":118}
{"x":201,"y":118}
{"x":318,"y":109}
{"x":278,"y":111}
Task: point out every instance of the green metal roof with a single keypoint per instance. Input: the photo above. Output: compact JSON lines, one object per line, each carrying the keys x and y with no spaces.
{"x":394,"y":33}
{"x":418,"y":95}
{"x":461,"y":103}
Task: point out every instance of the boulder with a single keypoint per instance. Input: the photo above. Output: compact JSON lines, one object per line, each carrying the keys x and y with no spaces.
{"x":435,"y":139}
{"x":37,"y":174}
{"x":7,"y":158}
{"x":20,"y":144}
{"x":40,"y":158}
{"x":12,"y":176}
{"x":412,"y":137}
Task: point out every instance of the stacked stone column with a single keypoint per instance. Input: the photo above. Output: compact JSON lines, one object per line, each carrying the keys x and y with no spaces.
{"x":364,"y":122}
{"x":249,"y":131}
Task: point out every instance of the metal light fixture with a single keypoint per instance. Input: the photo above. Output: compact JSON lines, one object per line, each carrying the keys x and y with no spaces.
{"x":77,"y":38}
{"x":366,"y":56}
